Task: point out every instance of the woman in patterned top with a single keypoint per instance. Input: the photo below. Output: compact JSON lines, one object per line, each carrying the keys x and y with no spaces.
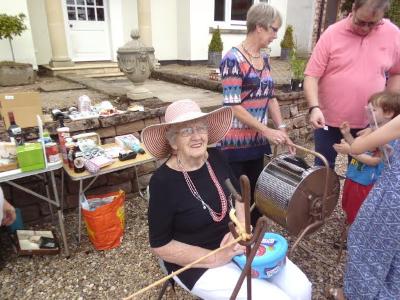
{"x":249,"y":89}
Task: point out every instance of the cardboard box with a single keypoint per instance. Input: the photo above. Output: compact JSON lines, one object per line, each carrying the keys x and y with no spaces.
{"x":24,"y":105}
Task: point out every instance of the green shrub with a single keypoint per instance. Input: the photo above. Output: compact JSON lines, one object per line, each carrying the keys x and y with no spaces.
{"x":297,"y":65}
{"x":288,"y":42}
{"x":346,"y":6}
{"x":11,"y":26}
{"x":216,"y":44}
{"x":394,"y":12}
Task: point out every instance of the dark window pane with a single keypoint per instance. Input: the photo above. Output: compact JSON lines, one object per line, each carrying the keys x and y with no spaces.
{"x":239,"y":9}
{"x":71,"y":13}
{"x":99,"y":2}
{"x":80,"y":2}
{"x":89,"y":2}
{"x":81,"y":13}
{"x":100,"y":14}
{"x":71,"y":2}
{"x":90,"y":14}
{"x":219,"y":10}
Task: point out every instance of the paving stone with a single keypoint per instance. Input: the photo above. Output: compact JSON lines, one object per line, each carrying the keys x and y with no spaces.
{"x":61,"y":85}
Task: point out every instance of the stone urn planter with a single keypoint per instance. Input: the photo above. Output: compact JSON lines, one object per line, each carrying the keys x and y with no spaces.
{"x":12,"y":73}
{"x":135,"y":61}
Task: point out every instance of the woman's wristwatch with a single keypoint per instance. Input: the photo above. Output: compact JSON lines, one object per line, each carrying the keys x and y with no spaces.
{"x":283,"y":125}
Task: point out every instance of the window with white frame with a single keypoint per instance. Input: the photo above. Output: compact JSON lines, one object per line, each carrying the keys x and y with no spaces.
{"x":232,"y":12}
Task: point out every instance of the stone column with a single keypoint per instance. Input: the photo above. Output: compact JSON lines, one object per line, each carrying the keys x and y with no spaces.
{"x":144,"y":20}
{"x":58,"y":39}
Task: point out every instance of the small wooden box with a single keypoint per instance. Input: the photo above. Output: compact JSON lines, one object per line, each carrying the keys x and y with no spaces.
{"x":23,"y":246}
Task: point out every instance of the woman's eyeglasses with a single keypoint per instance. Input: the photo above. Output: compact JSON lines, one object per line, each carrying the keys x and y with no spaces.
{"x":274,"y":29}
{"x":188,"y":131}
{"x":361,"y":23}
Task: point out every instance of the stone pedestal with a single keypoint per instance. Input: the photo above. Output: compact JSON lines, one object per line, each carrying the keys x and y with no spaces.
{"x":138,"y":92}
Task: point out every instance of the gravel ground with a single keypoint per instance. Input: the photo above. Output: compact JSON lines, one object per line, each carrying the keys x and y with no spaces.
{"x":91,"y":274}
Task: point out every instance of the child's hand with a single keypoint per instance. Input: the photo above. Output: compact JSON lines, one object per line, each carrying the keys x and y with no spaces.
{"x":345,"y":128}
{"x":342,"y":148}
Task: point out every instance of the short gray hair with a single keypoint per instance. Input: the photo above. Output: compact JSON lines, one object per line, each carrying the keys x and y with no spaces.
{"x":170,"y":134}
{"x":262,"y":14}
{"x":376,"y":5}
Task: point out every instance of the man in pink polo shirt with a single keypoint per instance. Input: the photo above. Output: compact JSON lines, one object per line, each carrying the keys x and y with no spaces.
{"x":348,"y":65}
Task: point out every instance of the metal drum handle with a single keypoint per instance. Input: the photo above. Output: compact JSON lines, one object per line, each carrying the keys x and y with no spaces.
{"x":323,"y":159}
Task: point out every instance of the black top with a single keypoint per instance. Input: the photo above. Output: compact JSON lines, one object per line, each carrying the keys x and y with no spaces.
{"x":174,"y":213}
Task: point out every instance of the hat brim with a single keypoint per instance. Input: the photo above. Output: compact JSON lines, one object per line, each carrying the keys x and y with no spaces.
{"x":218,"y":121}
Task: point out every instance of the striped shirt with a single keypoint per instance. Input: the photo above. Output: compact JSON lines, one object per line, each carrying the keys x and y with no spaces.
{"x":251,"y":88}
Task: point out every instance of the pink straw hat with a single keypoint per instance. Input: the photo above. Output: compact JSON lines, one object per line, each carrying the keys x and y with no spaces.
{"x":219,"y":122}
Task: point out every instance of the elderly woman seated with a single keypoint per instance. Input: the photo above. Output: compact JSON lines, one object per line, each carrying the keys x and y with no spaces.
{"x":189,"y":208}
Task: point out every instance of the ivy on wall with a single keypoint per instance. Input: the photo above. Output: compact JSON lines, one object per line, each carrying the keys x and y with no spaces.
{"x":393,"y":14}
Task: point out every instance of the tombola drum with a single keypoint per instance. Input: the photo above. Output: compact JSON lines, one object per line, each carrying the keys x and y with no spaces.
{"x":290,"y":192}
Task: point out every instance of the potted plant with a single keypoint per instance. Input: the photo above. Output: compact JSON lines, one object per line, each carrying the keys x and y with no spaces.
{"x":11,"y":72}
{"x":287,"y":44}
{"x":297,"y":66}
{"x":215,"y":49}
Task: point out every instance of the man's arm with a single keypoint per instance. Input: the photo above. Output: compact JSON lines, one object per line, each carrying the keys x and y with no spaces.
{"x":317,"y":119}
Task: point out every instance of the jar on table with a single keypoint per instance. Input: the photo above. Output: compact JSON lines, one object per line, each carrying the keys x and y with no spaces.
{"x":52,"y":153}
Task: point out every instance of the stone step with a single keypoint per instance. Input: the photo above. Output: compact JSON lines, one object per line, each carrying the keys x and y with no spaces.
{"x":99,"y":69}
{"x":115,"y":74}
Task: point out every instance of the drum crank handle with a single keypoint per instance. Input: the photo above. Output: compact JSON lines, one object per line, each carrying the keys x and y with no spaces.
{"x":323,"y":159}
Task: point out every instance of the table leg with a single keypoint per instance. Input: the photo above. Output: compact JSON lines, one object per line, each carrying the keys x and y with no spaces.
{"x":141,"y":194}
{"x":46,"y":183}
{"x":80,"y":195}
{"x":60,"y":214}
{"x":62,"y":189}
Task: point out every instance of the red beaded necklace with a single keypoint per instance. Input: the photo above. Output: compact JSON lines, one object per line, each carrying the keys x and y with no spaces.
{"x":217,"y":217}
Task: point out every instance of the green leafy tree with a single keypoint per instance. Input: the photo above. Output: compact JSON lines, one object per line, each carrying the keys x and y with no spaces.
{"x":216,"y":44}
{"x":11,"y":26}
{"x":288,"y":42}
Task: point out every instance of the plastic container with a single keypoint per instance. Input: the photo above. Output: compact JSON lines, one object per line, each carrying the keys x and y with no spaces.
{"x":84,"y":104}
{"x":270,"y":257}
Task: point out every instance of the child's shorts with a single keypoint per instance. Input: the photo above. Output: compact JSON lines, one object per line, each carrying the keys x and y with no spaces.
{"x":353,"y":196}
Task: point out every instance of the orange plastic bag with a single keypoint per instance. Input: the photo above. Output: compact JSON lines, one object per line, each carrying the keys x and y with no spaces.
{"x":106,"y":224}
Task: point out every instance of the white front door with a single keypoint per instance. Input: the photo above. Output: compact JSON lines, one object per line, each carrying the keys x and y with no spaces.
{"x":88,"y":30}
